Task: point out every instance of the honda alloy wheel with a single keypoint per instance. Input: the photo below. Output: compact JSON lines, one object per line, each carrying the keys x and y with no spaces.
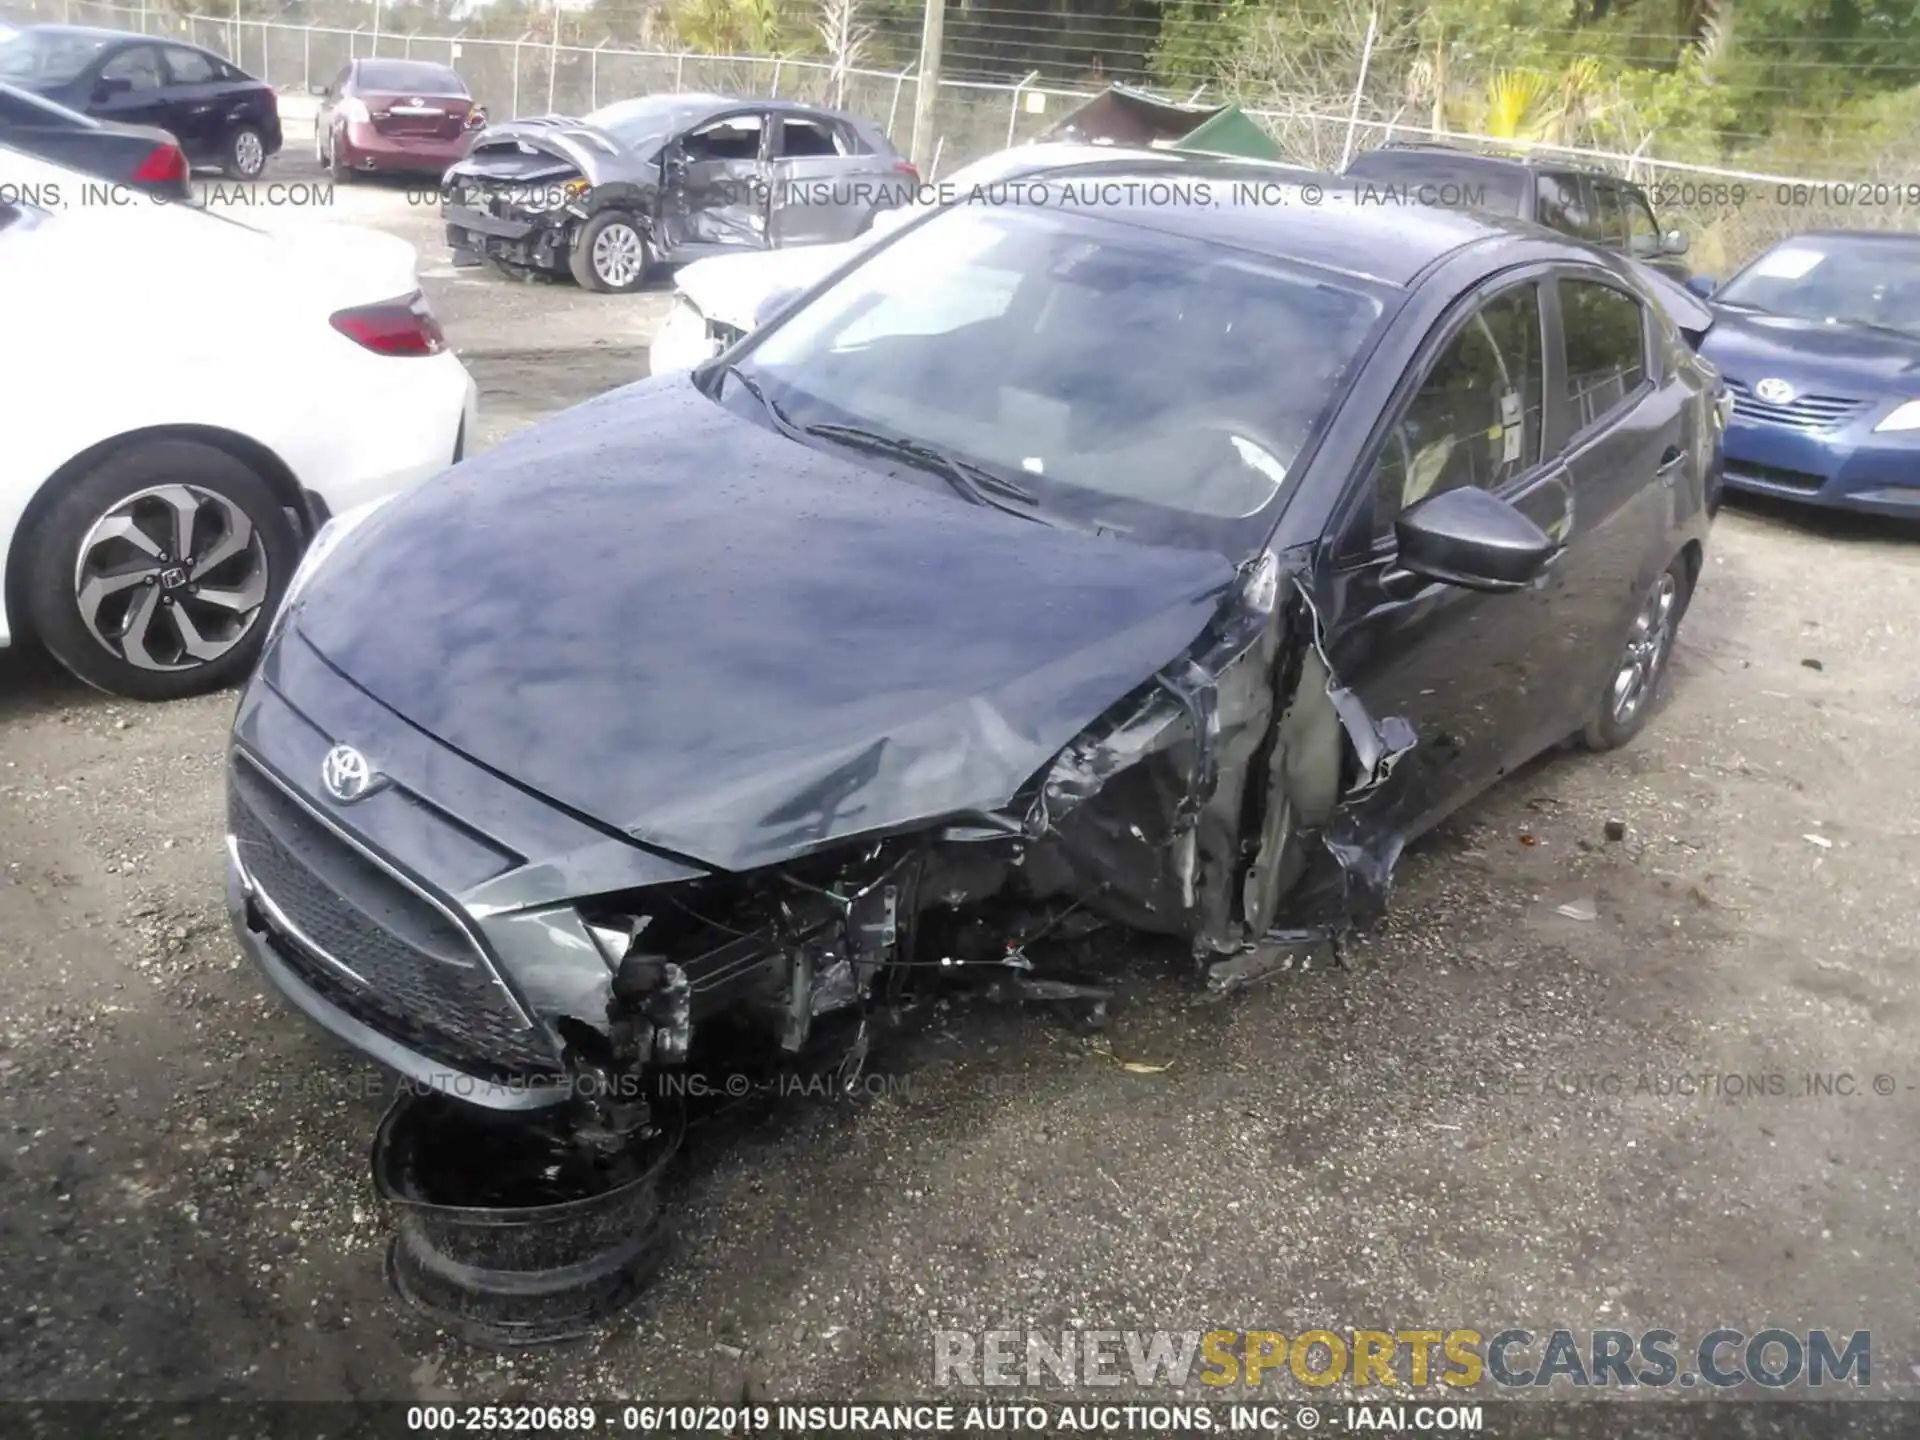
{"x":155,"y":575}
{"x":171,"y":577}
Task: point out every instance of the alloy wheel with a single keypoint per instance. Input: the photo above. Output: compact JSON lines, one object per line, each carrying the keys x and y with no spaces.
{"x":619,"y":255}
{"x":1646,"y":652}
{"x":170,"y":578}
{"x":248,"y":153}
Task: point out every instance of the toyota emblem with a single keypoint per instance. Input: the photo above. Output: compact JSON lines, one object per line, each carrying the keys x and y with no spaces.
{"x":1774,"y":392}
{"x":346,"y":774}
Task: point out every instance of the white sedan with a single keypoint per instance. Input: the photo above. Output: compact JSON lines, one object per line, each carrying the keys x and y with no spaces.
{"x":189,"y":400}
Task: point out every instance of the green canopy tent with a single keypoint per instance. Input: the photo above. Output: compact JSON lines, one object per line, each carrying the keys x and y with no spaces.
{"x":1125,"y":116}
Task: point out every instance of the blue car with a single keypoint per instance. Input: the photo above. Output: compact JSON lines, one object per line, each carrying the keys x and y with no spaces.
{"x":1818,"y":341}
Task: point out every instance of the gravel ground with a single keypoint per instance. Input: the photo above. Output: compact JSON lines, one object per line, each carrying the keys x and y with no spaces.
{"x":1496,"y":1116}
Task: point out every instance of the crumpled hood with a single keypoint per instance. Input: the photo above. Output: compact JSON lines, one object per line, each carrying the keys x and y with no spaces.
{"x":735,"y":647}
{"x":1749,"y":346}
{"x":546,"y":146}
{"x":730,"y":288}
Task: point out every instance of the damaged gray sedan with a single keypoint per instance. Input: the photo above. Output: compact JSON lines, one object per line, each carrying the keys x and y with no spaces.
{"x":665,"y":179}
{"x":1129,"y":558}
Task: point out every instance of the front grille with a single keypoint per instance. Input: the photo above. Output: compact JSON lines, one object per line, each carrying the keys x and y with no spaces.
{"x":1809,"y":413}
{"x":421,"y":979}
{"x":1774,"y":475}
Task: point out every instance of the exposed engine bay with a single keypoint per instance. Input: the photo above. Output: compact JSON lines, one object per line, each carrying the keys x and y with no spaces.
{"x":1212,"y":803}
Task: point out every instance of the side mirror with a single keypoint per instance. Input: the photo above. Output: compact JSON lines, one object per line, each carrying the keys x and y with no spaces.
{"x":772,"y":303}
{"x":1674,"y":242}
{"x":1472,"y":539}
{"x":108,"y":87}
{"x":1702,"y":285}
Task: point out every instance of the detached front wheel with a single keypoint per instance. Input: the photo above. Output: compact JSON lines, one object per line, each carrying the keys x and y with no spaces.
{"x":611,"y":254}
{"x":1628,"y":699}
{"x":155,"y":573}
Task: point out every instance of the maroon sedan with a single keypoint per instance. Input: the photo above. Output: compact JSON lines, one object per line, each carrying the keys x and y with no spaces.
{"x":395,"y":117}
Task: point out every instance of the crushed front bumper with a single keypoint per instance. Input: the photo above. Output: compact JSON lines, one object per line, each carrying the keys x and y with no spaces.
{"x":540,"y":243}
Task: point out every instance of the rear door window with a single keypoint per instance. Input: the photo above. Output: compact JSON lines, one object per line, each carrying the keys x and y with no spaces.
{"x":803,"y":139}
{"x":190,"y":67}
{"x":1606,"y":349}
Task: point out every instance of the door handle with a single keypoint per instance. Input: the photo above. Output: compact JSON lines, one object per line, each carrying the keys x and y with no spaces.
{"x":1670,"y":464}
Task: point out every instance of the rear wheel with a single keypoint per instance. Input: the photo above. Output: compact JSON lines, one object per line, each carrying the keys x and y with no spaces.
{"x":1627,"y":702}
{"x":246,"y":154}
{"x":334,"y":168}
{"x":154,"y":574}
{"x":610,"y":254}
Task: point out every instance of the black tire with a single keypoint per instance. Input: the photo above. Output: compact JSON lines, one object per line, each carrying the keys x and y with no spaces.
{"x":342,"y":173}
{"x":51,"y":587}
{"x":242,"y":145}
{"x":587,"y":243}
{"x":1611,"y":725}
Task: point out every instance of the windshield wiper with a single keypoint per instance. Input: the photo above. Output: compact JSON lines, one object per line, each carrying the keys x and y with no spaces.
{"x":975,"y":482}
{"x":779,"y":417}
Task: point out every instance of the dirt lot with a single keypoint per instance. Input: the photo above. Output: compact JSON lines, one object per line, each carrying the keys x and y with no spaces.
{"x":1500,"y":1115}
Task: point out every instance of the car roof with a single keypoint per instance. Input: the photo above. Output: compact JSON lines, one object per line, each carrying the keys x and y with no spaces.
{"x":1491,"y":161}
{"x":95,"y":32}
{"x":91,"y":32}
{"x":698,"y":102}
{"x":1385,"y":244}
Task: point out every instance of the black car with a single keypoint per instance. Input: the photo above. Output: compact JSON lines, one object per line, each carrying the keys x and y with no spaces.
{"x":136,"y":155}
{"x":1576,"y":200}
{"x":667,"y":178}
{"x":221,"y":115}
{"x":1060,"y":564}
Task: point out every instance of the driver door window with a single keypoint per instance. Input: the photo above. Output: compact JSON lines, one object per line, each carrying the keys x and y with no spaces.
{"x":1566,"y":205}
{"x":736,"y":138}
{"x":1476,"y":418}
{"x":1643,"y":236}
{"x":1612,"y":216}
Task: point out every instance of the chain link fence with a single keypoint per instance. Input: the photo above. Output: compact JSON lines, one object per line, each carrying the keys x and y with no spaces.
{"x":1730,"y":215}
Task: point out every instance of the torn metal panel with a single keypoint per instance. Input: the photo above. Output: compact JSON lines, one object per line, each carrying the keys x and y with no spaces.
{"x":1216,"y":793}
